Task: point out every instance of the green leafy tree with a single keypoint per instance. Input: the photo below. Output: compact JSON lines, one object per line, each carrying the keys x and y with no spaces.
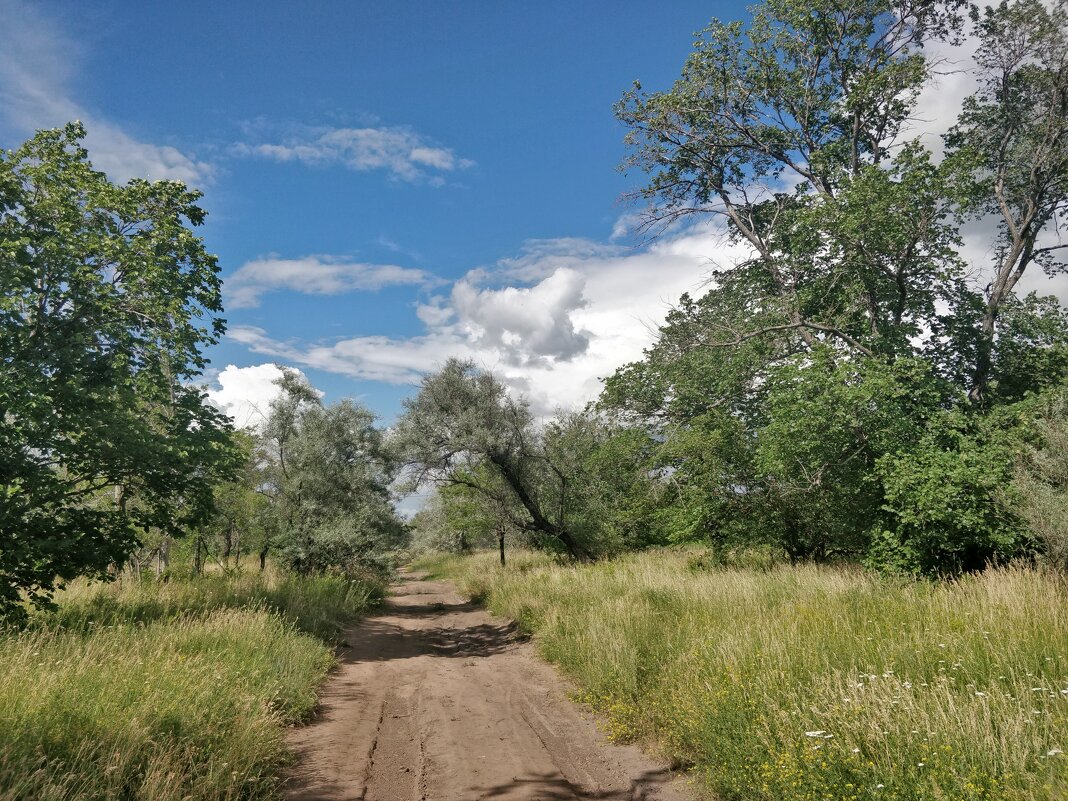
{"x":784,"y":131}
{"x":326,"y":473}
{"x":464,"y":429}
{"x":108,"y":301}
{"x":947,"y":502}
{"x":1009,"y":152}
{"x":1040,"y":487}
{"x":851,"y":333}
{"x":601,"y":478}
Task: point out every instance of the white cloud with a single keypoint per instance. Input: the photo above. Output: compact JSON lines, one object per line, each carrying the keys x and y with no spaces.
{"x":529,"y":324}
{"x":37,"y":64}
{"x":435,"y":313}
{"x":400,"y":151}
{"x":245,"y":393}
{"x":586,"y":310}
{"x":315,"y":275}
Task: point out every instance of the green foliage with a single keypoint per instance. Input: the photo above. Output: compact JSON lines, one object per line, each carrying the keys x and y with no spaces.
{"x":828,"y":423}
{"x":799,"y":683}
{"x":107,"y":301}
{"x":1040,"y":486}
{"x":846,"y":388}
{"x":326,"y":474}
{"x":603,"y":482}
{"x":463,"y":428}
{"x":945,"y":499}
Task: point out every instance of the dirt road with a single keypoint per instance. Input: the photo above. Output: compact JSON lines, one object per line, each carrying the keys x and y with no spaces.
{"x":436,"y":700}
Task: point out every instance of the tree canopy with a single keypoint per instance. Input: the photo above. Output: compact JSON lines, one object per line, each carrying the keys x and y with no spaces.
{"x":108,"y":301}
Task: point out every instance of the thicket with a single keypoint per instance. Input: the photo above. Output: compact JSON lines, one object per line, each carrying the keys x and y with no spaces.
{"x":792,"y":683}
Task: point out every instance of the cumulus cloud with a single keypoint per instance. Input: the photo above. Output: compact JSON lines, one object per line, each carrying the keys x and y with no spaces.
{"x":435,"y":313}
{"x":37,"y":66}
{"x":584,"y":310}
{"x":315,"y":275}
{"x":245,"y":393}
{"x":525,"y":324}
{"x":400,"y":151}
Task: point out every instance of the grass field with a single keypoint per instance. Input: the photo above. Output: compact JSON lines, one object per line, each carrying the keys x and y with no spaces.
{"x":806,"y":683}
{"x":178,"y":690}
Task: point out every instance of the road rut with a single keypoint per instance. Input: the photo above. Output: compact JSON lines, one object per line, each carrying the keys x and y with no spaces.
{"x":436,"y":700}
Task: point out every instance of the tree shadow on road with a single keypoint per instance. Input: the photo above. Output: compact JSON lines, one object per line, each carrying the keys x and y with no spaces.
{"x":555,"y":787}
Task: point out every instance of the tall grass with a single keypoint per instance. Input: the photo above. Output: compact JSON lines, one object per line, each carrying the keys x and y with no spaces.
{"x":319,"y":605}
{"x":179,"y":690}
{"x":809,"y":683}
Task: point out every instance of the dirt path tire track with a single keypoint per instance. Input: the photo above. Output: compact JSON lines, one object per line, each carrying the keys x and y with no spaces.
{"x":436,"y":700}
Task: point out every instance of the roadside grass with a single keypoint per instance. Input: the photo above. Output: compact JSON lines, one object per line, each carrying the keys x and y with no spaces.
{"x":167,"y":691}
{"x":806,"y":683}
{"x":319,"y":605}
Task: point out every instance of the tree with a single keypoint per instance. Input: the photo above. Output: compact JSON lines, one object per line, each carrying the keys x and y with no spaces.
{"x":464,"y":428}
{"x":601,"y":479}
{"x":1009,"y":151}
{"x":457,"y":518}
{"x":850,"y":331}
{"x":326,"y":473}
{"x":785,"y":132}
{"x":108,"y":301}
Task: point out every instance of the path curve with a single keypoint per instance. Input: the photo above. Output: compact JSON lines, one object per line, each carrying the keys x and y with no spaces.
{"x":437,"y":700}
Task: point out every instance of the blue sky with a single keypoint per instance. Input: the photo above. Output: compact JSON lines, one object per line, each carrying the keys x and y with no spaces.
{"x":389,"y":184}
{"x":359,"y":159}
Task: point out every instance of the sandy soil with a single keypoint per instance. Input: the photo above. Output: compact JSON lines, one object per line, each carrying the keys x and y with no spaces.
{"x":436,"y":700}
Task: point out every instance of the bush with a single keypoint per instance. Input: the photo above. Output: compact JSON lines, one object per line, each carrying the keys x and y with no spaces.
{"x":1041,"y":483}
{"x":945,"y":502}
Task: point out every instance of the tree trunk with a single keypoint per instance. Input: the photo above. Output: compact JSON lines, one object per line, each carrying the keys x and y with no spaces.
{"x":228,"y":544}
{"x":198,"y":558}
{"x":500,"y":539}
{"x":538,"y":520}
{"x":263,"y":557}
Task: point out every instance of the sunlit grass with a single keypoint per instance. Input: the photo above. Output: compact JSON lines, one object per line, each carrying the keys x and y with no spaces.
{"x":171,"y":691}
{"x":319,"y":605}
{"x":810,"y":683}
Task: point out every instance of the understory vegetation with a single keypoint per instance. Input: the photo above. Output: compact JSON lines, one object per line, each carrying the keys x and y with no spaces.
{"x":161,"y":690}
{"x":790,"y":683}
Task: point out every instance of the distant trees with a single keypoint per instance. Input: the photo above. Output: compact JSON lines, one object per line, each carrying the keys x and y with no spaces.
{"x":463,"y":428}
{"x":325,"y":473}
{"x":107,"y":301}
